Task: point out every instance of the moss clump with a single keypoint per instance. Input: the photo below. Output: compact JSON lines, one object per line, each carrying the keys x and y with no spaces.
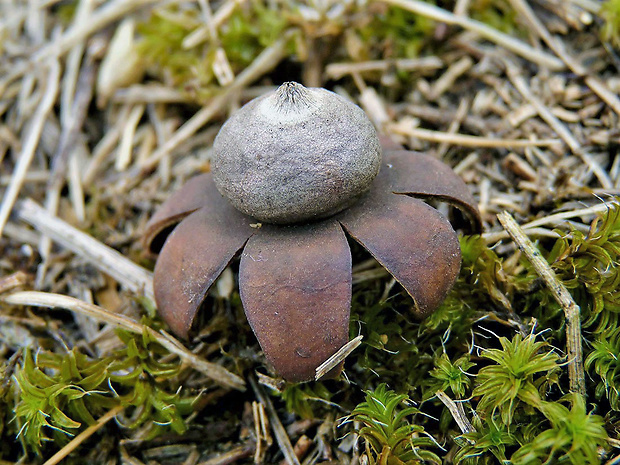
{"x":60,"y":394}
{"x":610,"y":12}
{"x":389,"y":438}
{"x":190,"y":69}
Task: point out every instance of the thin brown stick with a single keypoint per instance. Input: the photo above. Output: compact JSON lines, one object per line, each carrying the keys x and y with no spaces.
{"x":83,"y":436}
{"x":278,"y":430}
{"x":562,"y":296}
{"x":104,"y":258}
{"x":33,"y":137}
{"x":514,"y":45}
{"x":217,"y":373}
{"x":466,"y":140}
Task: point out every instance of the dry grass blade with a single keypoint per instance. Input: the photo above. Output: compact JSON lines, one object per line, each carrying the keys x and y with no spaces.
{"x":465,"y":140}
{"x":32,"y":140}
{"x":457,"y":412}
{"x":106,"y":259}
{"x":514,"y":45}
{"x":521,"y":85}
{"x":338,"y":70}
{"x":278,"y":430}
{"x":333,"y":361}
{"x":595,"y":84}
{"x":83,"y":436}
{"x":557,"y":217}
{"x":561,"y":295}
{"x":231,"y":456}
{"x":99,"y":19}
{"x":217,"y":373}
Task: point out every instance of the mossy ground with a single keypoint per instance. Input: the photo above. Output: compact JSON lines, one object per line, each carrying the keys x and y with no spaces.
{"x":483,"y":380}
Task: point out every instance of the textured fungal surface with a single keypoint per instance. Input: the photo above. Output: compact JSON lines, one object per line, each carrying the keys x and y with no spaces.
{"x":295,"y":280}
{"x":296,"y":154}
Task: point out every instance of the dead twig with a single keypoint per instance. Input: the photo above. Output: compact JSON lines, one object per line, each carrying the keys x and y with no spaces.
{"x":132,"y":276}
{"x":278,"y":430}
{"x":562,"y":296}
{"x":83,"y":436}
{"x":595,"y":84}
{"x":32,"y":139}
{"x":514,"y":45}
{"x":561,"y":130}
{"x":457,"y":412}
{"x":99,"y":19}
{"x":336,"y":359}
{"x":217,"y":373}
{"x":464,"y":140}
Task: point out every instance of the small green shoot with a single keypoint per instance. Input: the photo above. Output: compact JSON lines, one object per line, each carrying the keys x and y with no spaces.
{"x":451,"y":377}
{"x":389,"y":438}
{"x":575,"y":436}
{"x":523,"y":372}
{"x":610,"y":12}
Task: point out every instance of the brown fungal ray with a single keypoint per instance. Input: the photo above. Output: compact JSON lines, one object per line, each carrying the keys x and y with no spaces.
{"x":387,"y":143}
{"x":421,"y":175}
{"x":295,"y":284}
{"x":194,"y":194}
{"x":193,"y":257}
{"x":412,"y":240}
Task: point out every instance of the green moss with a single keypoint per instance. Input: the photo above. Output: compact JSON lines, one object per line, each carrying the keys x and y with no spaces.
{"x":521,"y":376}
{"x":306,"y":399}
{"x":389,"y":437}
{"x":451,"y":377}
{"x":574,"y":436}
{"x":160,"y":44}
{"x":245,"y":34}
{"x":60,"y":394}
{"x":589,"y":264}
{"x":498,"y":14}
{"x":610,"y":12}
{"x":248,"y":31}
{"x":603,"y":363}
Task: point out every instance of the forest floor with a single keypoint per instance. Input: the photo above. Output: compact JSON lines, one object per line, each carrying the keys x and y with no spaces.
{"x":107,"y":107}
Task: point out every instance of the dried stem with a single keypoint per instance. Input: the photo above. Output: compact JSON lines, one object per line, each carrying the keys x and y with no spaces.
{"x":457,"y":412}
{"x":104,"y":258}
{"x":562,"y":296}
{"x":595,"y":84}
{"x":99,"y":19}
{"x":465,"y":140}
{"x":83,"y":436}
{"x":514,"y":45}
{"x":336,"y":359}
{"x":216,"y":372}
{"x":32,"y":141}
{"x":278,"y":430}
{"x":521,"y":85}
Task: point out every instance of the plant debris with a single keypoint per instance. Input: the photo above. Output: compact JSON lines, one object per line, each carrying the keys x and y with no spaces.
{"x":106,"y":108}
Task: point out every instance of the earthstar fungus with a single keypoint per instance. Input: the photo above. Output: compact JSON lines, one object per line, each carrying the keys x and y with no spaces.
{"x":308,"y":165}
